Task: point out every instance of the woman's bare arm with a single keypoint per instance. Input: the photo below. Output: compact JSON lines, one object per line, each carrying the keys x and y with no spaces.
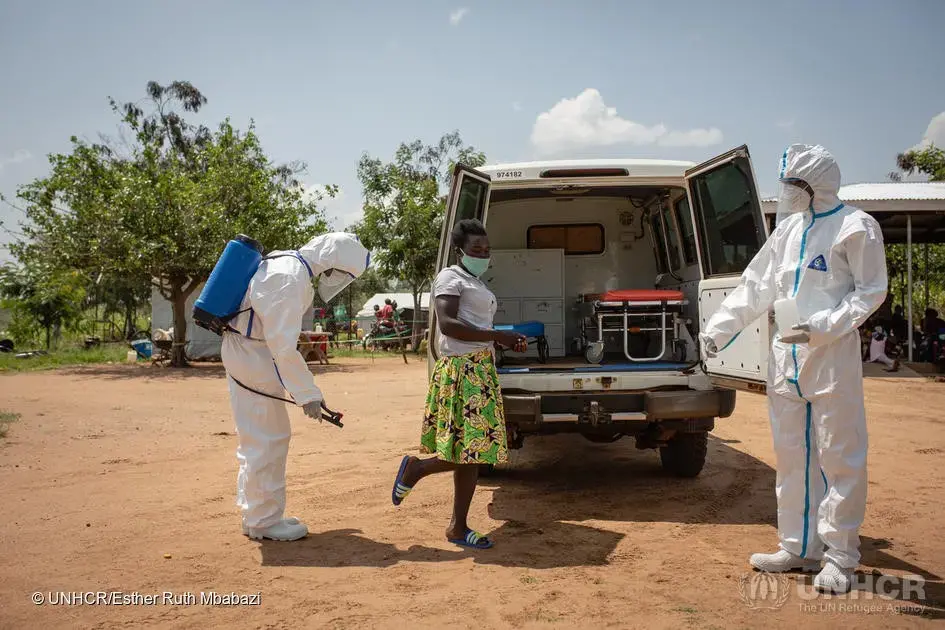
{"x":447,"y":318}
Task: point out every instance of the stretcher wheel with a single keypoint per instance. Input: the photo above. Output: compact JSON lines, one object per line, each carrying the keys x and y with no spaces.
{"x":594,"y":352}
{"x":543,"y":350}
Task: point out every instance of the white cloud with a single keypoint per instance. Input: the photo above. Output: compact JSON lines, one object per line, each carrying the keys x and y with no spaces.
{"x":691,"y":138}
{"x":457,"y":16}
{"x":586,"y":121}
{"x":340,"y":210}
{"x":935,"y":133}
{"x":18,"y":157}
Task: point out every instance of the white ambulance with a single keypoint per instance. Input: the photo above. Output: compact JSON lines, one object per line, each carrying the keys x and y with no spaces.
{"x":612,"y":266}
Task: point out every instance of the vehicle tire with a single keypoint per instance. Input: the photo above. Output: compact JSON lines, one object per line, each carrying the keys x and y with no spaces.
{"x":684,"y":455}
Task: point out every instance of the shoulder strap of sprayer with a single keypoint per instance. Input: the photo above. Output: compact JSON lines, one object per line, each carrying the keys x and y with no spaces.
{"x":252,"y":314}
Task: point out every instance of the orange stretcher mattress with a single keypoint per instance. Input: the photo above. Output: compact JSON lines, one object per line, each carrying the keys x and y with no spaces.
{"x":637,"y":295}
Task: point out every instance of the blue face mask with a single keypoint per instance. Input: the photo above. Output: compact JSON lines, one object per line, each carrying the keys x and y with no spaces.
{"x":475,"y":266}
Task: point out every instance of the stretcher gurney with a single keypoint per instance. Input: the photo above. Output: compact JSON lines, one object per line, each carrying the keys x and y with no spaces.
{"x":629,"y":312}
{"x":533,"y":331}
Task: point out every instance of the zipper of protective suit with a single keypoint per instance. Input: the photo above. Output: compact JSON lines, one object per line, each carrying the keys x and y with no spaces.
{"x":796,"y":381}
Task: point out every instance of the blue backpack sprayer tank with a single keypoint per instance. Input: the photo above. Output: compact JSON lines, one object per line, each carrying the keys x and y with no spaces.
{"x":221,"y":297}
{"x":220,"y":300}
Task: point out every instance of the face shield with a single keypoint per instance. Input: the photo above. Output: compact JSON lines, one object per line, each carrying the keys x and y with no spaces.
{"x":795,"y":196}
{"x":332,"y":282}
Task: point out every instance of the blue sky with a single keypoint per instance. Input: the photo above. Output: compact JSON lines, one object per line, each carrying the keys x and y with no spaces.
{"x":523,"y":79}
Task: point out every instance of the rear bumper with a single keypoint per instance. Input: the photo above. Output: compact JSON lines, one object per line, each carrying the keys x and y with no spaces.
{"x":683,"y":410}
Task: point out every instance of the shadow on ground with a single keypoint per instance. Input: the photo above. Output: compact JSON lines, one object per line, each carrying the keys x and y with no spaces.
{"x":915,"y":591}
{"x":559,"y":481}
{"x":554,"y":546}
{"x":567,"y":478}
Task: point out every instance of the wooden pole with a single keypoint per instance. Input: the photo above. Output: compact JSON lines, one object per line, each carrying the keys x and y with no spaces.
{"x":909,"y":277}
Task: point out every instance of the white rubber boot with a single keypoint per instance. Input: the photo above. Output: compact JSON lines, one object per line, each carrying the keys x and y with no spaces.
{"x":291,"y":521}
{"x":782,"y":561}
{"x":834,"y":579}
{"x":283,"y":530}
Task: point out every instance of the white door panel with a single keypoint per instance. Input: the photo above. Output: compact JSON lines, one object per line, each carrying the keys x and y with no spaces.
{"x":726,"y":211}
{"x":746,"y":358}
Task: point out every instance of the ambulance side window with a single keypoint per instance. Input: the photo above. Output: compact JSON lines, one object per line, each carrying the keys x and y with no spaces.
{"x":473,"y":197}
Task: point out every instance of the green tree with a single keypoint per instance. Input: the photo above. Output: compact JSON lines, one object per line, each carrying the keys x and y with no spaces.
{"x":404,"y":205}
{"x":929,"y":160}
{"x":928,"y":263}
{"x":37,"y":293}
{"x":160,"y":208}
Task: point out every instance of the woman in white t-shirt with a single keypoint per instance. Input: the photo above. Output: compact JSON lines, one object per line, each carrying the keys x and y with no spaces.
{"x":464,"y":422}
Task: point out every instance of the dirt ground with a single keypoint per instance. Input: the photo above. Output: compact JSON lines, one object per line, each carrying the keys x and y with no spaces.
{"x":122,"y":479}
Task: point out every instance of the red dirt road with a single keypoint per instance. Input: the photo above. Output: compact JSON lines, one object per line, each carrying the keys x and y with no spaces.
{"x":112,"y":469}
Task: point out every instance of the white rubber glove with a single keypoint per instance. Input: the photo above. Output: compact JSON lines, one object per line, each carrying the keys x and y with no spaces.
{"x":709,"y":349}
{"x":313,"y":410}
{"x":801,"y":334}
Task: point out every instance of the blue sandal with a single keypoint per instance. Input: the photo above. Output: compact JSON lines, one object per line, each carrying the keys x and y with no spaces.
{"x":400,"y":491}
{"x":473,"y":540}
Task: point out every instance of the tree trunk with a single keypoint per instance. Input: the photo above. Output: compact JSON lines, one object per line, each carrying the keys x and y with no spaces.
{"x":178,"y":354}
{"x":48,"y":335}
{"x":129,"y":319}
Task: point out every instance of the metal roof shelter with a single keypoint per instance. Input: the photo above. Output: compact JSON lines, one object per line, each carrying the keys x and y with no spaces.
{"x":907,"y":212}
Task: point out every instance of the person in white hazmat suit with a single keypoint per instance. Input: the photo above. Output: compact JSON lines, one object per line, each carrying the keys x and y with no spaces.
{"x":261,"y":353}
{"x":824,"y":270}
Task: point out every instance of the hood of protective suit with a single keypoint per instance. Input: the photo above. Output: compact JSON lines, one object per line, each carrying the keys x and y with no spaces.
{"x":336,"y":259}
{"x":816,"y":166}
{"x":336,"y":250}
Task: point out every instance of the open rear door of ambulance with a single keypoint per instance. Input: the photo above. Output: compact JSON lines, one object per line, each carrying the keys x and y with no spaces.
{"x":731,"y":229}
{"x":468,"y":199}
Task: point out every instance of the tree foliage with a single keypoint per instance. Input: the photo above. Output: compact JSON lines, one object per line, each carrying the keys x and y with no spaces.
{"x":160,"y":208}
{"x":39,"y":294}
{"x":404,"y":206}
{"x":928,"y":260}
{"x":929,"y":160}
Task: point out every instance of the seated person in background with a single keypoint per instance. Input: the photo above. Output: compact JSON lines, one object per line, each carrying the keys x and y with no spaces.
{"x":932,"y":324}
{"x":932,"y":327}
{"x":884,"y":314}
{"x":878,"y":350}
{"x":899,"y":326}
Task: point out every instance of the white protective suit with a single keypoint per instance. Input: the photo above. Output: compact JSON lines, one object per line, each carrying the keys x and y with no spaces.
{"x":262,"y":354}
{"x":830,"y":258}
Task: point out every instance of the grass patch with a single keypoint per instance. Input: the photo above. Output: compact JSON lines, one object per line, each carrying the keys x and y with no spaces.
{"x":6,"y":419}
{"x":357,"y":352}
{"x":65,"y":357}
{"x":116,"y":353}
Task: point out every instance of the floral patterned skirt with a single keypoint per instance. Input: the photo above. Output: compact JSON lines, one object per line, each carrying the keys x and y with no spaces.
{"x":464,"y":421}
